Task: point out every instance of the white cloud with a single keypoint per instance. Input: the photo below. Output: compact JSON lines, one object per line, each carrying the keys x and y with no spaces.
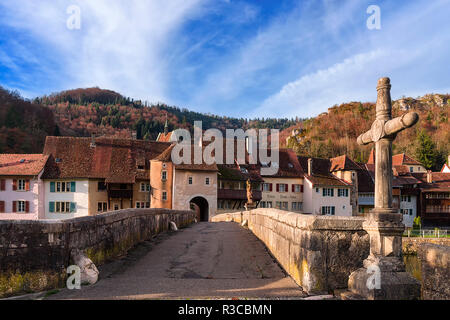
{"x":120,"y":45}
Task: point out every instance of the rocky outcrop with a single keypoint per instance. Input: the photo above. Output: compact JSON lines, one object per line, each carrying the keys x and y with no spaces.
{"x":89,"y":272}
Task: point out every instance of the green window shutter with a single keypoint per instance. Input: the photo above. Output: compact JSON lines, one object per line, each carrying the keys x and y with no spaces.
{"x":72,"y":186}
{"x":51,"y":206}
{"x":52,"y":186}
{"x":73,"y":207}
{"x":324,"y":192}
{"x":332,"y":210}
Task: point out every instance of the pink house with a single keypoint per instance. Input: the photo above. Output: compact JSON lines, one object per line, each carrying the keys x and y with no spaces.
{"x":21,"y":188}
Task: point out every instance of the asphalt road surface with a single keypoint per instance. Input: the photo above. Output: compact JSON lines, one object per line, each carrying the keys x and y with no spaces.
{"x":203,"y":261}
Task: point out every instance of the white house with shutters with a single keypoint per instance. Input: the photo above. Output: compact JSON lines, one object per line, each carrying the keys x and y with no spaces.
{"x":324,"y":193}
{"x":65,"y":199}
{"x":21,"y":187}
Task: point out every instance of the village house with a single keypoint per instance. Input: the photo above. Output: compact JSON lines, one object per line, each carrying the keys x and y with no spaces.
{"x":88,"y":176}
{"x":324,"y":193}
{"x":434,"y":201}
{"x":284,"y":190}
{"x":21,"y":186}
{"x":183,"y":186}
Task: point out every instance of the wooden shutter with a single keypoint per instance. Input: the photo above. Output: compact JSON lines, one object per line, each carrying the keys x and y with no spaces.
{"x":301,"y":188}
{"x":2,"y":185}
{"x":51,"y":206}
{"x":270,"y":187}
{"x":27,"y":185}
{"x":2,"y":206}
{"x":286,"y":188}
{"x":278,"y":187}
{"x":52,"y":186}
{"x":72,"y":186}
{"x":27,"y":206}
{"x":14,"y":184}
{"x":293,"y":187}
{"x":73,"y":206}
{"x":14,"y":207}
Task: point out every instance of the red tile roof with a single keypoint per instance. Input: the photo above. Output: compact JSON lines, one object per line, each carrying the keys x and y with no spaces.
{"x":115,"y":160}
{"x":441,"y":181}
{"x":320,"y":172}
{"x":343,"y":163}
{"x":22,"y":164}
{"x":402,"y":159}
{"x":288,"y":165}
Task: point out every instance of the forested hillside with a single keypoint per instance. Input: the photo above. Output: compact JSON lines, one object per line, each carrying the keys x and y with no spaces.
{"x":83,"y":112}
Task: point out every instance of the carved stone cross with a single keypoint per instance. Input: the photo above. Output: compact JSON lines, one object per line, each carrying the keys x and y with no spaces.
{"x":383,"y":131}
{"x":383,"y":275}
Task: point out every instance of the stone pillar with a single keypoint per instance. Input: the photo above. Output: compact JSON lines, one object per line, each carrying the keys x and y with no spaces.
{"x":383,"y":275}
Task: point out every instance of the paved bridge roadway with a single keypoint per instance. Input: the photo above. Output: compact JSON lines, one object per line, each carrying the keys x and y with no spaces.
{"x":205,"y":260}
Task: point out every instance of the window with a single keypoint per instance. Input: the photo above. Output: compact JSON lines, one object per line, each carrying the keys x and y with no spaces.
{"x":62,"y":207}
{"x":164,"y":175}
{"x":327,"y":210}
{"x":190,"y":180}
{"x":142,"y":205}
{"x":62,"y":186}
{"x":267,"y":187}
{"x":221,"y":185}
{"x":20,"y":206}
{"x":116,"y":207}
{"x":411,"y":169}
{"x":164,"y":195}
{"x":21,"y":185}
{"x":269,"y":204}
{"x":278,"y":205}
{"x":263,"y":204}
{"x":102,"y":206}
{"x":285,"y":205}
{"x":282,"y":187}
{"x":418,"y":168}
{"x":342,"y":192}
{"x":207,"y":181}
{"x":297,"y":206}
{"x":328,"y":192}
{"x":101,"y":186}
{"x":317,"y":190}
{"x":297,"y":188}
{"x":145,"y":187}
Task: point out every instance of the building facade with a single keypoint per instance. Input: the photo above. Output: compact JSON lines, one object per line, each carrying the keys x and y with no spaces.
{"x":21,"y":186}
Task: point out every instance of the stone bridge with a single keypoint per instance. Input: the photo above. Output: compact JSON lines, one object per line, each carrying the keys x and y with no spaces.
{"x":276,"y":255}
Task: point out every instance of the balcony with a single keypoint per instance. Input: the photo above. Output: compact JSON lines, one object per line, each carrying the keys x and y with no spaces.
{"x":124,"y":193}
{"x":366,"y":201}
{"x":230,"y":194}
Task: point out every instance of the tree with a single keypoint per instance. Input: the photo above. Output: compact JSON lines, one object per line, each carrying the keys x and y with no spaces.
{"x":426,"y":151}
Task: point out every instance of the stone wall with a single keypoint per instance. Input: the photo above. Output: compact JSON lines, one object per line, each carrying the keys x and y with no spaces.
{"x":34,"y":255}
{"x":319,"y":252}
{"x":411,"y":245}
{"x":435,"y":262}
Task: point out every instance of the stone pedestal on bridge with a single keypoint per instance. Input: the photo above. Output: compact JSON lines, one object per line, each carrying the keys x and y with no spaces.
{"x":383,"y":276}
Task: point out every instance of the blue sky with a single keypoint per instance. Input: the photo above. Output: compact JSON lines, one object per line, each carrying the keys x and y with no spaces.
{"x":238,"y":58}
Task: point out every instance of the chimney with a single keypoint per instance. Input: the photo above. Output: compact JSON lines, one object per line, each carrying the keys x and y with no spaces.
{"x":93,"y":145}
{"x":429,"y":176}
{"x":310,"y":167}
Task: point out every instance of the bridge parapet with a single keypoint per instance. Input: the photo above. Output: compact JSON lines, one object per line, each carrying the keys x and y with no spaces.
{"x":34,"y":255}
{"x":319,"y":252}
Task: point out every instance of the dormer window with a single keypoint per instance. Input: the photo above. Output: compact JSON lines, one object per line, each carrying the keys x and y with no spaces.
{"x":58,"y":160}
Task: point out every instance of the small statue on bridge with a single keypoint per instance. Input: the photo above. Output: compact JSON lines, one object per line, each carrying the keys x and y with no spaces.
{"x":383,"y":275}
{"x":250,"y":203}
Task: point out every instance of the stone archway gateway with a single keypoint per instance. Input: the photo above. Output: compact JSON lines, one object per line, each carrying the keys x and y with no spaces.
{"x":201,"y":206}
